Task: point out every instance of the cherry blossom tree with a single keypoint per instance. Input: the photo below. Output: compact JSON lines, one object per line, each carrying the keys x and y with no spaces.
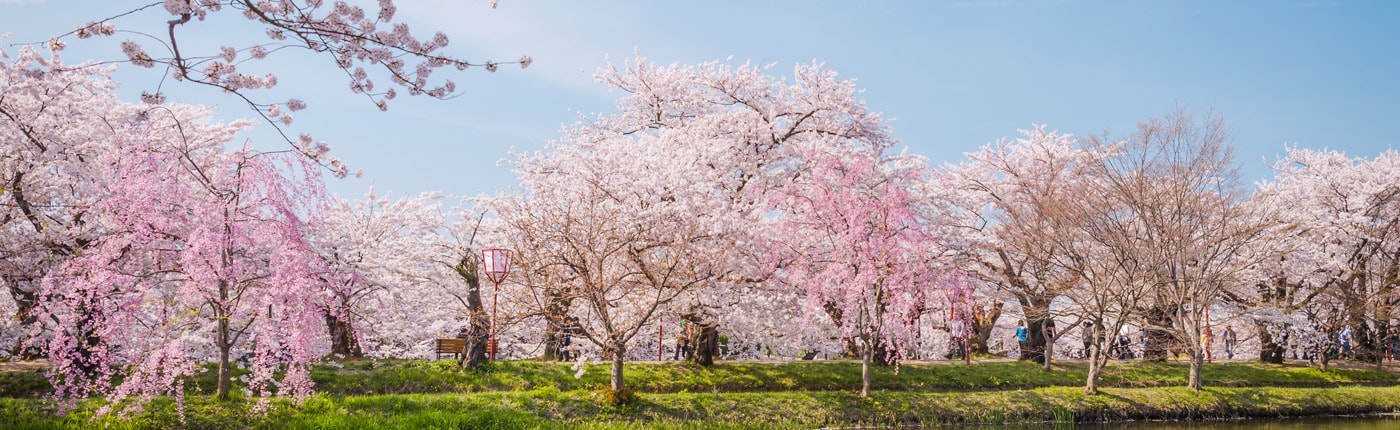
{"x":1282,"y":287}
{"x":369,"y":46}
{"x":1345,"y":221}
{"x":739,"y":127}
{"x":510,"y":314}
{"x":625,"y":229}
{"x":1097,"y":238}
{"x":1176,"y":180}
{"x":384,"y":253}
{"x":55,"y":121}
{"x":859,"y":250}
{"x":202,"y":256}
{"x":49,"y":123}
{"x":1008,"y":201}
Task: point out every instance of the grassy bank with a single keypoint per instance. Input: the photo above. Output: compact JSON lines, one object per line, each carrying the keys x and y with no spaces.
{"x":417,"y":394}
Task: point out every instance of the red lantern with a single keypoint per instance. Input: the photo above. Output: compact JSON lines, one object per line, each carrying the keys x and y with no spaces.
{"x":496,"y":264}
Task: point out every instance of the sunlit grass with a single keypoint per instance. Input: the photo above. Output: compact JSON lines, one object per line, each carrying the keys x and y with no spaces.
{"x":415,"y":376}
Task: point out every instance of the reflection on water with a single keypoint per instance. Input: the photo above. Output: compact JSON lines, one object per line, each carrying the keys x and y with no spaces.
{"x":1385,"y":422}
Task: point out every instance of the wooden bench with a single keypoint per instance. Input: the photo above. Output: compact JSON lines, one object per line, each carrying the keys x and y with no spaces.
{"x":453,"y":347}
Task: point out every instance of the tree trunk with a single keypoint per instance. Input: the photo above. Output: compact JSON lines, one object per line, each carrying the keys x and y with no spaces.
{"x":884,"y":354}
{"x":1091,"y":381}
{"x":1198,"y":360}
{"x":224,"y":374}
{"x":704,"y":345}
{"x":479,"y":329}
{"x":1049,"y":356}
{"x":223,"y":340}
{"x":1324,"y":357}
{"x":1159,"y":340}
{"x":1382,"y":342}
{"x":343,"y":339}
{"x":617,"y":358}
{"x":1270,"y":350}
{"x":865,"y":358}
{"x":25,"y":302}
{"x":225,"y":336}
{"x":552,"y":338}
{"x":983,"y":321}
{"x":1364,"y":345}
{"x":1036,"y":316}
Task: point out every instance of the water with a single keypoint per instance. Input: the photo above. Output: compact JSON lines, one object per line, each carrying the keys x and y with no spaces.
{"x":1382,"y":422}
{"x":1369,"y":422}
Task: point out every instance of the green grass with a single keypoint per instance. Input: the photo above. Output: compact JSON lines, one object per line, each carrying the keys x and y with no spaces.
{"x":398,"y":376}
{"x":531,"y":409}
{"x":419,"y":376}
{"x":532,"y":394}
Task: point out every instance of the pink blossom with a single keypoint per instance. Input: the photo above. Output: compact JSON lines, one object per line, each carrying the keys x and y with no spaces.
{"x":177,"y":7}
{"x":154,"y":99}
{"x":138,"y":57}
{"x":95,"y":29}
{"x":386,"y":10}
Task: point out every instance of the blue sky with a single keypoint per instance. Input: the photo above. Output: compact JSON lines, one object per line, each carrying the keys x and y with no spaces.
{"x":953,"y":75}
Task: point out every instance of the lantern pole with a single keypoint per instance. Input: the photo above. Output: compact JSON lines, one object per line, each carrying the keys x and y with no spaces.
{"x":496,"y":264}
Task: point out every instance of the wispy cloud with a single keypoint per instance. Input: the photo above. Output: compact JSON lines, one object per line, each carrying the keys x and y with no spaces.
{"x":547,"y":33}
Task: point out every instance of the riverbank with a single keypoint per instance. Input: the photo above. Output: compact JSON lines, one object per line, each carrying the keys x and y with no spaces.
{"x":416,"y":394}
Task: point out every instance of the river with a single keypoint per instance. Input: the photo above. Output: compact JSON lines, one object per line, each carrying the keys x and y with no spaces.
{"x":1381,"y":422}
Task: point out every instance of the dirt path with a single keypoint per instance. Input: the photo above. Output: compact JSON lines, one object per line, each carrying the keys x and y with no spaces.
{"x":23,"y":366}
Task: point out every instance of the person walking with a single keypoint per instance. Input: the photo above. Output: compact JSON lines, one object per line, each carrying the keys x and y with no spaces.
{"x":957,"y":347}
{"x":1345,"y":339}
{"x":1229,"y":337}
{"x":683,"y":341}
{"x":565,"y":347}
{"x":1021,"y":337}
{"x":1125,"y":347}
{"x":1145,"y":334}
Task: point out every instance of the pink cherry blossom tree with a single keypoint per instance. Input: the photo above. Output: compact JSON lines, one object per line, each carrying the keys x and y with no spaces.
{"x":55,"y":120}
{"x":202,"y":256}
{"x":859,"y":252}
